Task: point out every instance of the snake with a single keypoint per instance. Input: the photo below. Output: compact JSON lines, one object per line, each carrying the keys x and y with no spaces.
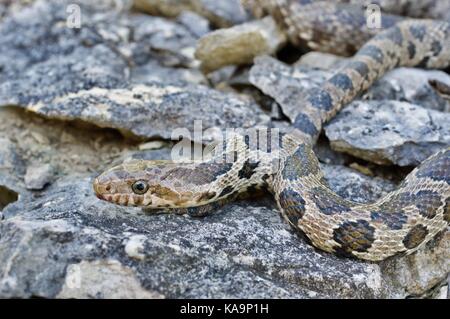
{"x":396,"y":224}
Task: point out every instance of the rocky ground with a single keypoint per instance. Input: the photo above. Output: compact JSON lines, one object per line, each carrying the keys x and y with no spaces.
{"x":76,"y":101}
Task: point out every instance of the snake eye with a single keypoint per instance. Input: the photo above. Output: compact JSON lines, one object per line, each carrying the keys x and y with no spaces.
{"x":140,"y":187}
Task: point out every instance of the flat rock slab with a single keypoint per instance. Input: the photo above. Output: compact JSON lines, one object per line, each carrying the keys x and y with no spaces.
{"x":60,"y":243}
{"x":389,"y":132}
{"x":156,"y":110}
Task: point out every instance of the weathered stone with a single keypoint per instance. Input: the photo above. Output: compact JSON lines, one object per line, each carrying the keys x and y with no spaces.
{"x":153,"y":71}
{"x":320,"y":60}
{"x":155,"y":110}
{"x":351,"y":184}
{"x":411,"y":85}
{"x":220,"y":13}
{"x":287,"y":85}
{"x":386,"y":132}
{"x":195,"y":23}
{"x":38,"y":176}
{"x":239,"y":44}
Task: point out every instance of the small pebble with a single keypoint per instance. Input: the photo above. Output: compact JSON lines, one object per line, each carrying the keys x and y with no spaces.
{"x":38,"y":176}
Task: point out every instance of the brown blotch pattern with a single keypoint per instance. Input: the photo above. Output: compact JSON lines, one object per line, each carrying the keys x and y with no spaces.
{"x":352,"y":237}
{"x":415,"y":236}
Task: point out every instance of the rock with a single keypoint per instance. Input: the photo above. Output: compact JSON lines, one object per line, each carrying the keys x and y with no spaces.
{"x":64,"y":242}
{"x":389,"y":132}
{"x":156,"y":110}
{"x":360,"y":188}
{"x":106,"y":279}
{"x":239,"y":44}
{"x":411,"y":85}
{"x":99,"y":54}
{"x":171,"y":43}
{"x":219,"y":13}
{"x":87,"y":75}
{"x":195,"y":23}
{"x":154,"y":71}
{"x":38,"y":176}
{"x":319,"y":60}
{"x":285,"y":84}
{"x":83,"y":69}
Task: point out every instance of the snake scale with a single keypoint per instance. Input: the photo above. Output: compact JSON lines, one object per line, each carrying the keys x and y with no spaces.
{"x":399,"y":223}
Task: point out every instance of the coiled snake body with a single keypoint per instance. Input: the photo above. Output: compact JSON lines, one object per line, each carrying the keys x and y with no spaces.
{"x":400,"y":222}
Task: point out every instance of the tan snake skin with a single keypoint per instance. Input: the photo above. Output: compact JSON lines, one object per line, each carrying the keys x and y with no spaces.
{"x":400,"y":222}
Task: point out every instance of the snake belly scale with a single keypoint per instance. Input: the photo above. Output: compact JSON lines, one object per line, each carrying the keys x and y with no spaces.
{"x":399,"y":223}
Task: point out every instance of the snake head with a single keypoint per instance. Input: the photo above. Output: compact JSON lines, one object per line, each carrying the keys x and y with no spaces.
{"x":151,"y":184}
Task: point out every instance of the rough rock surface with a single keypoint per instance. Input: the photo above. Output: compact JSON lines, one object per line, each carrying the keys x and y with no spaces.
{"x":388,"y":132}
{"x":155,"y":110}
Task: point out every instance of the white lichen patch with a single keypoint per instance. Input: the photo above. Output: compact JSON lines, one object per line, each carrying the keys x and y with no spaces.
{"x":134,"y":246}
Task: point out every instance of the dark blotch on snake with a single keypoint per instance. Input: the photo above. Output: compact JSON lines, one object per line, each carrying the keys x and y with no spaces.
{"x":411,"y":50}
{"x":447,"y":210}
{"x":418,"y":31}
{"x":327,"y":202}
{"x":226,"y":191}
{"x":355,"y":236}
{"x":395,"y":35}
{"x":389,"y":217}
{"x":293,"y":205}
{"x":359,"y":67}
{"x":320,"y":99}
{"x":415,"y":236}
{"x":342,"y":81}
{"x":372,"y":51}
{"x":248,"y":169}
{"x":301,"y":163}
{"x":303,"y":123}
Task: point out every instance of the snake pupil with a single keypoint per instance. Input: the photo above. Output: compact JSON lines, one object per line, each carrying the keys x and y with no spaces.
{"x":140,"y":187}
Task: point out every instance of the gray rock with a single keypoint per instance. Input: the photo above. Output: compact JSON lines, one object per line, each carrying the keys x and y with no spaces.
{"x":100,"y":53}
{"x":244,"y":250}
{"x":239,"y":44}
{"x":411,"y":85}
{"x":154,"y":71}
{"x":387,"y":132}
{"x":38,"y":176}
{"x":287,"y":85}
{"x":195,"y":23}
{"x":155,"y":110}
{"x":358,"y":187}
{"x":220,"y":13}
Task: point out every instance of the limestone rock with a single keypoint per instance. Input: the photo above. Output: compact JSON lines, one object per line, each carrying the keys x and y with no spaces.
{"x":387,"y":132}
{"x":239,"y":44}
